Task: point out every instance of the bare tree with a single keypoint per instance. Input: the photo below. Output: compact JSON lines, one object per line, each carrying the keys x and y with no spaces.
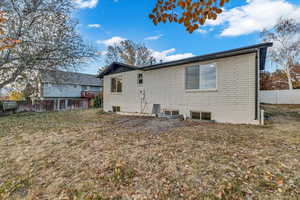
{"x":129,"y":53}
{"x":285,"y":52}
{"x":5,"y":43}
{"x":48,"y":39}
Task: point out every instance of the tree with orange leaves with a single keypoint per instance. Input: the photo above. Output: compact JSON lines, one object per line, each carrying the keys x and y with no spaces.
{"x":191,"y":13}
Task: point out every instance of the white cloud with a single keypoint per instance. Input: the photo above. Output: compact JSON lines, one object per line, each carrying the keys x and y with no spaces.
{"x":202,"y":31}
{"x":165,"y":55}
{"x":255,"y":16}
{"x":86,"y":3}
{"x":155,"y":37}
{"x":94,"y":25}
{"x":111,"y":41}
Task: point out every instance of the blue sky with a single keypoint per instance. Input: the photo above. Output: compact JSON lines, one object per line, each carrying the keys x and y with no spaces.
{"x":103,"y":22}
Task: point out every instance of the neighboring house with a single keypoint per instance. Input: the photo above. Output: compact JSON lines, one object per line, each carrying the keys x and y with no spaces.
{"x":69,"y":89}
{"x":221,"y":86}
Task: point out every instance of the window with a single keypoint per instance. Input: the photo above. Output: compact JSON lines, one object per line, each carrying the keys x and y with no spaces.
{"x":203,"y":77}
{"x":95,"y":88}
{"x":84,"y":87}
{"x":140,"y":79}
{"x":201,"y":115}
{"x":171,"y":112}
{"x":116,"y":85}
{"x":167,"y":112}
{"x":175,"y":112}
{"x":196,"y":115}
{"x":116,"y":109}
{"x":205,"y":116}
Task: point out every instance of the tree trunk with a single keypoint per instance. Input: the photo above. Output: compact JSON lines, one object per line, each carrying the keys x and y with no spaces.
{"x":289,"y":77}
{"x":290,"y":83}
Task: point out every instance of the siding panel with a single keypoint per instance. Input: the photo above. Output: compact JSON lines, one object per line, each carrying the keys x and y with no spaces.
{"x":234,"y":100}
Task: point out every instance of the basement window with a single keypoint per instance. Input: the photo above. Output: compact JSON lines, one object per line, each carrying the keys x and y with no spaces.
{"x":116,"y":109}
{"x":196,"y":115}
{"x":171,"y":112}
{"x":206,"y":116}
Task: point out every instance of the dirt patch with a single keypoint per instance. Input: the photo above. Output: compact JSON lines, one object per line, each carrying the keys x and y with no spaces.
{"x":151,"y":124}
{"x":282,"y":114}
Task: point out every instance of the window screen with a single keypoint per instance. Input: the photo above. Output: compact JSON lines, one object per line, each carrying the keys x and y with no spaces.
{"x":201,"y":77}
{"x":116,"y":85}
{"x":113,"y":85}
{"x":192,"y":77}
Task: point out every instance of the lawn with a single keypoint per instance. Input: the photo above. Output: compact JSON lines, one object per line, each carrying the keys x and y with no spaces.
{"x":89,"y":155}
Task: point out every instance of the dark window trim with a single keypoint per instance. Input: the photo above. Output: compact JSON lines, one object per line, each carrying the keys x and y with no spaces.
{"x":116,"y":109}
{"x":140,"y":79}
{"x":171,"y":112}
{"x":191,"y":115}
{"x":200,"y":113}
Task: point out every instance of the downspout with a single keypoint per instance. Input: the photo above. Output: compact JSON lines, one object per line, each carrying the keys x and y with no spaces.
{"x":258,"y":112}
{"x":257,"y":104}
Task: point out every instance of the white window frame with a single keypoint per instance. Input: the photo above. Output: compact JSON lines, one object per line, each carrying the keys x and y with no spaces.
{"x":122,"y":88}
{"x":204,"y":90}
{"x":138,"y":79}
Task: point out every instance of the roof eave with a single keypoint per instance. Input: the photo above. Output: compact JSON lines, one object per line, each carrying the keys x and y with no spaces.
{"x":218,"y":55}
{"x":109,"y":67}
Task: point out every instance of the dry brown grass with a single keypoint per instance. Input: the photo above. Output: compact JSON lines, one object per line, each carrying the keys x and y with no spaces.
{"x":89,"y":155}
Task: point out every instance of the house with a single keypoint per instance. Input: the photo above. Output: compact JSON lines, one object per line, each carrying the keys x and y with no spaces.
{"x":67,"y":90}
{"x":222,"y":86}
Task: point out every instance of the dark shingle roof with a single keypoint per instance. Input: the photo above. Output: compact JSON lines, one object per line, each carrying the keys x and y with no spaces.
{"x":63,"y":77}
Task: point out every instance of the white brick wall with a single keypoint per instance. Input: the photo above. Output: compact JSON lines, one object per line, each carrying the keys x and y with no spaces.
{"x":234,"y":100}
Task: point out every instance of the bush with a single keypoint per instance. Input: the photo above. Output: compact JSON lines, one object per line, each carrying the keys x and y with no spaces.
{"x":97,"y":102}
